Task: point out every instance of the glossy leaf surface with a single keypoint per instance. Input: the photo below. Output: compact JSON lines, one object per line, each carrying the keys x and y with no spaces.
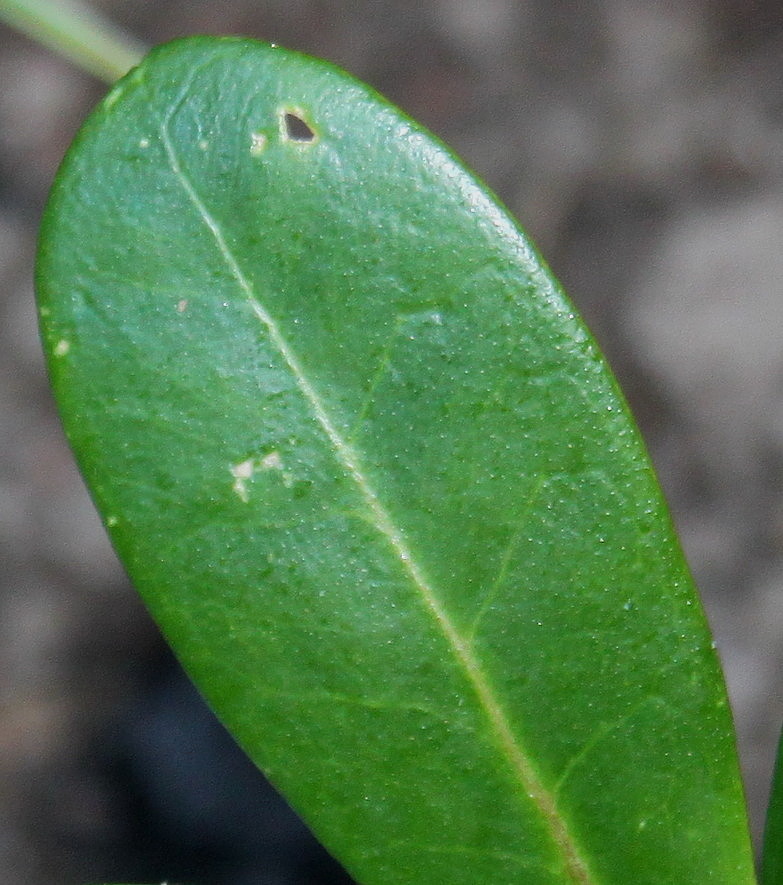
{"x":378,"y":487}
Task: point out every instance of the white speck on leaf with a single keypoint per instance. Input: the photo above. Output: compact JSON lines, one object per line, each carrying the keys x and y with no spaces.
{"x":257,"y":143}
{"x":62,"y":347}
{"x":203,"y":144}
{"x":241,"y":472}
{"x":245,"y":470}
{"x":272,"y":461}
{"x":182,"y":305}
{"x":144,"y":143}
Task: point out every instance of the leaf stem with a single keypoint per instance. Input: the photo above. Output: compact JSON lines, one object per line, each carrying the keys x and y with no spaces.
{"x":77,"y":32}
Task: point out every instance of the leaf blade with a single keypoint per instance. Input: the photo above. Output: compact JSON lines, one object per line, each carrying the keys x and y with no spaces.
{"x":444,"y":420}
{"x":772,"y":853}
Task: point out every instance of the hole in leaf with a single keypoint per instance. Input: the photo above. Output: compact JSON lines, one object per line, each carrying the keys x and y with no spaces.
{"x":296,"y":129}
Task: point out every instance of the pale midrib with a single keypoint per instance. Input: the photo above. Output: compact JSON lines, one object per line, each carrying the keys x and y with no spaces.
{"x":506,"y":739}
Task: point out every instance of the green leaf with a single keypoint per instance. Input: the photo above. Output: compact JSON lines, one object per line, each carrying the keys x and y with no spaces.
{"x":377,"y":485}
{"x":772,"y":857}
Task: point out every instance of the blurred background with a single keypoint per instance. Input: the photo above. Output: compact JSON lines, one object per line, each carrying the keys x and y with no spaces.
{"x":640,"y":143}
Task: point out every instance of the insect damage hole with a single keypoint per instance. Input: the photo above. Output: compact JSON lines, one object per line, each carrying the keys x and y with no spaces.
{"x":296,"y":128}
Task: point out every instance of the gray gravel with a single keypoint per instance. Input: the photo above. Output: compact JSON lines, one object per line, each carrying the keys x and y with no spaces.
{"x":640,"y":143}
